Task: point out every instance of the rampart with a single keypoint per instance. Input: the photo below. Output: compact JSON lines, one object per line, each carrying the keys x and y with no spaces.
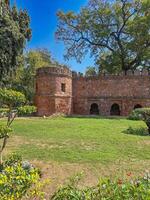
{"x":60,"y":90}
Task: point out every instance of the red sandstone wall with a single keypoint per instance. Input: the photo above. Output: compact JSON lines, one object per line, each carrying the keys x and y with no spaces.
{"x":126,"y":91}
{"x":49,"y":97}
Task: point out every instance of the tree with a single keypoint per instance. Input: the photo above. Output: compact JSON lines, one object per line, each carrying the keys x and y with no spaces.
{"x":14,"y":32}
{"x":91,"y":71}
{"x":24,"y":78}
{"x":117,"y":31}
{"x":14,"y":101}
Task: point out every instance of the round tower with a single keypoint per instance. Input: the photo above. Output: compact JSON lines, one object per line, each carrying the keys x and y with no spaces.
{"x":53,"y":90}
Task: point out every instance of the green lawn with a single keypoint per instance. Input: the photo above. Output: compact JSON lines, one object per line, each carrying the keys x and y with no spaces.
{"x":79,"y":140}
{"x":62,"y":147}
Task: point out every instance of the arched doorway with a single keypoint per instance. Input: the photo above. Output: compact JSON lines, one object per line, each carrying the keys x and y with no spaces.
{"x":115,"y":109}
{"x":94,"y":110}
{"x":137,"y":106}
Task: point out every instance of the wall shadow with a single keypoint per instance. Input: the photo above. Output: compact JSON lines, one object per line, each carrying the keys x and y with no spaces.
{"x":96,"y":117}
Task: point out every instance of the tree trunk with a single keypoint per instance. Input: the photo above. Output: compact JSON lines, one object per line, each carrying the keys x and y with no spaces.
{"x":1,"y":151}
{"x":1,"y":158}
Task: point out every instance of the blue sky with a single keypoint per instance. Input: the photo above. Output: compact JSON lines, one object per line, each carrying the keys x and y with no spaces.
{"x":44,"y":23}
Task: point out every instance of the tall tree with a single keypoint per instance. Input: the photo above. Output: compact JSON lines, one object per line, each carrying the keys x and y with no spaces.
{"x":117,"y":31}
{"x":24,"y":78}
{"x":14,"y":32}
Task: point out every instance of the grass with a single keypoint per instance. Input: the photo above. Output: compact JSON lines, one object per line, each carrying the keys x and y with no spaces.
{"x":85,"y":140}
{"x":82,"y":143}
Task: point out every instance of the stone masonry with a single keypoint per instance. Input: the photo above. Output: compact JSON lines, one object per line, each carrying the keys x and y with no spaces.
{"x":59,"y":90}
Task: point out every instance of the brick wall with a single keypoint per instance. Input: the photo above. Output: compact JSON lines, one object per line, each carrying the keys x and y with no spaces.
{"x":126,"y":91}
{"x":81,"y":92}
{"x":50,"y":98}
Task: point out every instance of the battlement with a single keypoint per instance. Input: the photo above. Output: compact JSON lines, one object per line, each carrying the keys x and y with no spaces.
{"x":129,"y":74}
{"x":54,"y":70}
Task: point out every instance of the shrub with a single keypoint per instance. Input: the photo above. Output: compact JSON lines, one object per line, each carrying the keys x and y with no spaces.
{"x":15,"y":179}
{"x":142,"y":114}
{"x":4,"y":112}
{"x":26,"y":110}
{"x":4,"y":131}
{"x":136,"y":131}
{"x":135,"y":115}
{"x":118,"y":189}
{"x":11,"y":98}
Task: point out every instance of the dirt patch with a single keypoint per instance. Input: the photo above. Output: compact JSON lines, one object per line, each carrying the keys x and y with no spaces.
{"x":60,"y":173}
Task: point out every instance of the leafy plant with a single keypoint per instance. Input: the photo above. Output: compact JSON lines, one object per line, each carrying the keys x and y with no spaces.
{"x":13,"y":100}
{"x":26,"y":110}
{"x":118,"y":189}
{"x":15,"y":179}
{"x":135,"y":115}
{"x":136,"y":131}
{"x":141,"y":114}
{"x":4,"y":112}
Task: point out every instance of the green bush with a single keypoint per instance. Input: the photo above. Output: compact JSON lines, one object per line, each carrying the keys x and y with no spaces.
{"x":4,"y":112}
{"x":26,"y":110}
{"x":118,"y":189}
{"x":11,"y":98}
{"x":136,"y":131}
{"x":4,"y":131}
{"x":141,"y":114}
{"x":16,"y":177}
{"x":137,"y":114}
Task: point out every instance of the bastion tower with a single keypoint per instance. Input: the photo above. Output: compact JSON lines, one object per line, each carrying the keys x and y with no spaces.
{"x":53,"y":91}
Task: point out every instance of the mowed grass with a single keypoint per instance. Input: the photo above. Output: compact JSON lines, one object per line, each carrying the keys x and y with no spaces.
{"x":79,"y":140}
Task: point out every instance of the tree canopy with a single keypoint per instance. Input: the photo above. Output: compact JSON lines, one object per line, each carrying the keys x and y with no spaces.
{"x":116,"y":33}
{"x":91,"y":71}
{"x":14,"y":32}
{"x":24,"y":78}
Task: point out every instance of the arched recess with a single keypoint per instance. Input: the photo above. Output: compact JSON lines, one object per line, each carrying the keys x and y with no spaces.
{"x":115,"y":109}
{"x":137,"y":106}
{"x":94,"y":110}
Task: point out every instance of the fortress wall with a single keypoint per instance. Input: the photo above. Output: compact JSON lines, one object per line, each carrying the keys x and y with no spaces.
{"x":81,"y":92}
{"x":126,"y":91}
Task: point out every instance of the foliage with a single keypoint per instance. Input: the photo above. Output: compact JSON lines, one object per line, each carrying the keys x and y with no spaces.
{"x":4,"y":112}
{"x":12,"y":159}
{"x":26,"y":110}
{"x":107,"y":189}
{"x":14,"y":32}
{"x":24,"y":80}
{"x":136,"y":131}
{"x":11,"y":98}
{"x":91,"y":71}
{"x":116,"y":33}
{"x":143,"y":114}
{"x":4,"y":131}
{"x":16,"y":179}
{"x":135,"y":115}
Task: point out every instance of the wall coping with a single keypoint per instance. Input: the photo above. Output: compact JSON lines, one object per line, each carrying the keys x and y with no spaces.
{"x":54,"y":70}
